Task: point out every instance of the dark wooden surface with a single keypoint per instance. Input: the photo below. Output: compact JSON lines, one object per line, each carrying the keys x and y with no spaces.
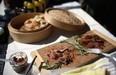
{"x":3,"y":48}
{"x":3,"y":38}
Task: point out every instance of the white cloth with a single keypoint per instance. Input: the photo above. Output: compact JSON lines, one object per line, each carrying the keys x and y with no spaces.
{"x":68,"y":5}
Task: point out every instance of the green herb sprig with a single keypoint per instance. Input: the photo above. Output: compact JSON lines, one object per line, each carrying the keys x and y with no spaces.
{"x":76,"y":45}
{"x":80,"y":47}
{"x":48,"y":67}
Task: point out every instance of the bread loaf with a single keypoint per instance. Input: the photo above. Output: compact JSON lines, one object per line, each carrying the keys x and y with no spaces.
{"x":64,"y":16}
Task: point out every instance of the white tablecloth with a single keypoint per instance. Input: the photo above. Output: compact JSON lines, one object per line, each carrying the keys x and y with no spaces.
{"x":57,"y":35}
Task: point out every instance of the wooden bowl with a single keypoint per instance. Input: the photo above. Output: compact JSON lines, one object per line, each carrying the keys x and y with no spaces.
{"x":64,"y":19}
{"x":27,"y":36}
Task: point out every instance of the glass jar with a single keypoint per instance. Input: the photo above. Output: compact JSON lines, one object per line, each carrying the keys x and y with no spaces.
{"x":20,"y":59}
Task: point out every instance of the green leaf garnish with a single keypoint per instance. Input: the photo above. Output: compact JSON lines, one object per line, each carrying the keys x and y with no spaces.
{"x":56,"y":66}
{"x":76,"y":44}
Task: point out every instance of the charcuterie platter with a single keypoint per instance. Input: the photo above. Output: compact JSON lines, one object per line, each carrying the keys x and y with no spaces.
{"x":72,"y":52}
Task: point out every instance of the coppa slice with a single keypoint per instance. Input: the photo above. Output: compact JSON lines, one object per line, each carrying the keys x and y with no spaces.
{"x":50,"y":53}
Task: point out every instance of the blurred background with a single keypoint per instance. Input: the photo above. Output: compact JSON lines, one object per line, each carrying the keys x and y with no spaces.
{"x":101,"y":10}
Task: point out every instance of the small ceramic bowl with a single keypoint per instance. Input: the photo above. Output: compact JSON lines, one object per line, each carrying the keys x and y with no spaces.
{"x":64,"y":19}
{"x":27,"y":36}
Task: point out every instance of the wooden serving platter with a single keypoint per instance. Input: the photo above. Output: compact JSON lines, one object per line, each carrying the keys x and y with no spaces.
{"x":109,"y":46}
